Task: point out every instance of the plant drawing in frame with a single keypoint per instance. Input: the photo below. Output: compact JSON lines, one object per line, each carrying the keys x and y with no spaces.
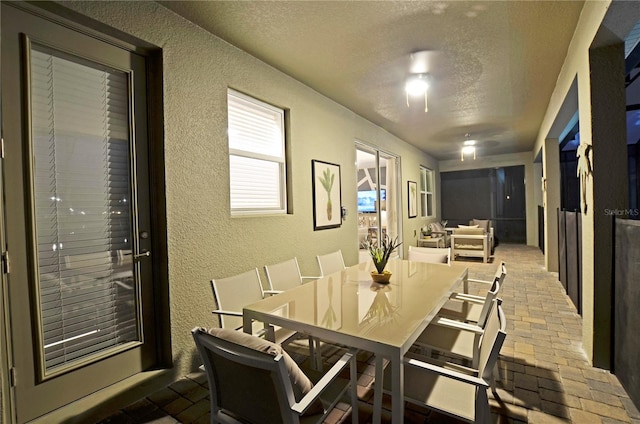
{"x":327,"y":195}
{"x":412,"y":190}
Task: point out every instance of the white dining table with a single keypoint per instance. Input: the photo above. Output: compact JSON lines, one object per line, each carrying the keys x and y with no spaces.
{"x":347,"y":308}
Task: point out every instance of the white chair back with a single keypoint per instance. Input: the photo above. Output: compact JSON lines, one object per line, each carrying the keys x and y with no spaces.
{"x":492,"y":340}
{"x":430,"y":254}
{"x":330,"y":263}
{"x":284,"y":275}
{"x":492,"y":294}
{"x":501,"y":272}
{"x":233,"y":293}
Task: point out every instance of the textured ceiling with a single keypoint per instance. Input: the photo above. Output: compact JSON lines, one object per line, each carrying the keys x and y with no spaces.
{"x":494,"y":64}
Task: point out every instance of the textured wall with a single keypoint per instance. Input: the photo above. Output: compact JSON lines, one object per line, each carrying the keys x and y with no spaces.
{"x":577,"y":64}
{"x":204,"y":241}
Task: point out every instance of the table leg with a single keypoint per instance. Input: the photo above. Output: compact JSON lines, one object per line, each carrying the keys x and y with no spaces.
{"x":353,"y":373}
{"x":247,"y":327}
{"x":377,"y":390}
{"x":397,"y":389}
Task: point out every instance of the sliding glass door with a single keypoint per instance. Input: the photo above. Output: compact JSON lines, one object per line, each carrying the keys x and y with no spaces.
{"x":378,"y":196}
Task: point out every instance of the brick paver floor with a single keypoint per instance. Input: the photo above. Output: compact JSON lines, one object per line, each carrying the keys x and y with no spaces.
{"x":545,"y":375}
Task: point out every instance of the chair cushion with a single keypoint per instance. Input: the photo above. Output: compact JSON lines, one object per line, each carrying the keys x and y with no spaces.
{"x":469,"y":246}
{"x":467,"y":226}
{"x":300,"y":382}
{"x":481,"y":223}
{"x":468,"y":231}
{"x":436,"y":226}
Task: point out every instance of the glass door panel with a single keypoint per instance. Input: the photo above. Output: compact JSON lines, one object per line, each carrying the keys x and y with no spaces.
{"x":377,"y":192}
{"x":87,"y":291}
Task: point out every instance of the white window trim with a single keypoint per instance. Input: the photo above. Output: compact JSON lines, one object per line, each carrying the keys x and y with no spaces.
{"x":278,"y":196}
{"x":425,"y":175}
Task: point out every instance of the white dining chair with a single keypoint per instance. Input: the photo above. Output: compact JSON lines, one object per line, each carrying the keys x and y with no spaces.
{"x":430,"y":254}
{"x":470,"y":308}
{"x":231,"y":294}
{"x":285,"y":275}
{"x":456,"y":392}
{"x":458,"y":339}
{"x":501,"y":273}
{"x":330,"y":263}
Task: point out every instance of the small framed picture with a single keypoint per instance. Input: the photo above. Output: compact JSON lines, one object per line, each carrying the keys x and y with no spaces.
{"x":412,"y":191}
{"x":327,"y":195}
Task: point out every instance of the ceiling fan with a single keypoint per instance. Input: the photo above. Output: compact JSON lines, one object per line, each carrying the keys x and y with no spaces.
{"x":419,"y":78}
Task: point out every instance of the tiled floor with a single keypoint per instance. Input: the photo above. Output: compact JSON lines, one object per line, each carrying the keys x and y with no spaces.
{"x":546,"y":377}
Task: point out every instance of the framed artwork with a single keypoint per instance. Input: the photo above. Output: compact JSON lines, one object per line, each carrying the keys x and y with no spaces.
{"x":327,"y":195}
{"x":412,"y":190}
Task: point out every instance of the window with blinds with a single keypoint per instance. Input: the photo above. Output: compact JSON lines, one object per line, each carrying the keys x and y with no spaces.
{"x":256,"y":156}
{"x":82,"y":193}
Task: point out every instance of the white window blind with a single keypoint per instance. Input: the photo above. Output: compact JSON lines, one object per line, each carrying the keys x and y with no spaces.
{"x":80,"y":127}
{"x":256,"y":156}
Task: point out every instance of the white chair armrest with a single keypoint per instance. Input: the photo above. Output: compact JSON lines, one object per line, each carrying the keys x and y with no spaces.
{"x":223,"y":312}
{"x":473,"y":280}
{"x":451,"y":323}
{"x":272,"y":292}
{"x":445,"y":364}
{"x":464,"y":297}
{"x":321,"y":385}
{"x":446,"y":373}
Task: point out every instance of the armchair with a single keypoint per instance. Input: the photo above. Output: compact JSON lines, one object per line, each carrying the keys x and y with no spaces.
{"x":470,"y":242}
{"x":487,"y":225}
{"x":438,"y":231}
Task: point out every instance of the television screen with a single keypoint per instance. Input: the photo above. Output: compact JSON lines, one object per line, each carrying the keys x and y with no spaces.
{"x":367,"y":200}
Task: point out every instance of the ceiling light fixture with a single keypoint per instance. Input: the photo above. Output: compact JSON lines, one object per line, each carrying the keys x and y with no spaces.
{"x":468,"y":148}
{"x":418,"y":85}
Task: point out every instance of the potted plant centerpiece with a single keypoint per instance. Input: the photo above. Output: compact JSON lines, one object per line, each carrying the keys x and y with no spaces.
{"x":380,"y":252}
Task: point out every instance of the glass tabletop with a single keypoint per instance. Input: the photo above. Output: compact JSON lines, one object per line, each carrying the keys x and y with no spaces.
{"x":350,"y":304}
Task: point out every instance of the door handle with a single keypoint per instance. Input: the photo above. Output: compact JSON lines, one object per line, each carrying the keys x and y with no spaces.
{"x":142,"y":255}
